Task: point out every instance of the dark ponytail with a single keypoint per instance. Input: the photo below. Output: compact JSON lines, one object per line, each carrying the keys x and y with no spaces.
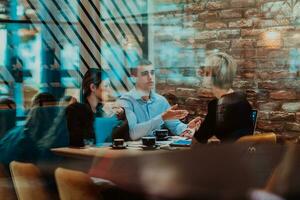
{"x":92,"y":76}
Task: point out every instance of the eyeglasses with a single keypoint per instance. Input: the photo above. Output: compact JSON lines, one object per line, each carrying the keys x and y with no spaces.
{"x":146,"y":73}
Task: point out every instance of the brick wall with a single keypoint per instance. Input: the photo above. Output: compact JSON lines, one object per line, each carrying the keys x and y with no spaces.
{"x":269,"y":75}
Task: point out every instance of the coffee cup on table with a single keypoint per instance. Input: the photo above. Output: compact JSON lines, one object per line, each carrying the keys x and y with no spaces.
{"x":161,"y":134}
{"x":149,"y":141}
{"x":118,"y":143}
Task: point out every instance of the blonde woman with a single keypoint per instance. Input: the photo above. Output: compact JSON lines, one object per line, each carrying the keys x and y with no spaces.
{"x":229,"y":113}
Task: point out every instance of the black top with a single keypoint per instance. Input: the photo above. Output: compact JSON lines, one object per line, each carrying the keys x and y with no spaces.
{"x":228,"y":118}
{"x":80,"y":122}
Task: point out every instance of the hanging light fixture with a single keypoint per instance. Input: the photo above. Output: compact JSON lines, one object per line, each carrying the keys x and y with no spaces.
{"x":271,"y":39}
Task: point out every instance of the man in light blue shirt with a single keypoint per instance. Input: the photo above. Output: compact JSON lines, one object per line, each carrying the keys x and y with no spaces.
{"x":147,"y":111}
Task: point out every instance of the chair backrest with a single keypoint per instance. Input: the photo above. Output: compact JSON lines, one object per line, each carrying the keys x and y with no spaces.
{"x":6,"y":187}
{"x":73,"y":185}
{"x":7,"y":120}
{"x":28,"y":181}
{"x":284,"y":180}
{"x":258,"y":138}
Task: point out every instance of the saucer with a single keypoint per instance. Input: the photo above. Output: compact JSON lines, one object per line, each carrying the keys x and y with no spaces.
{"x":163,"y":139}
{"x":149,"y":147}
{"x":118,"y":147}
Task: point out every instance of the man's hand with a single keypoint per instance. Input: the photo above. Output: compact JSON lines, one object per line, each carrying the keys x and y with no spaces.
{"x":172,"y":113}
{"x":195,"y":123}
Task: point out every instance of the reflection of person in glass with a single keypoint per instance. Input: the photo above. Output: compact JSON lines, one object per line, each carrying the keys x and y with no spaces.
{"x":80,"y":116}
{"x":146,"y":110}
{"x":229,"y":114}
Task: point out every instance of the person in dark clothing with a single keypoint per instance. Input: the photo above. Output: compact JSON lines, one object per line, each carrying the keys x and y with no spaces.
{"x":8,"y":116}
{"x":80,"y":116}
{"x":43,"y":99}
{"x":229,"y":115}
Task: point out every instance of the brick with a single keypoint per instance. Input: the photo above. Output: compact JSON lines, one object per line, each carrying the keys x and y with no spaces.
{"x":266,"y":64}
{"x":161,"y":80}
{"x":243,"y":43}
{"x":193,"y":101}
{"x":291,"y":84}
{"x":279,"y":53}
{"x":291,"y":42}
{"x":242,"y":84}
{"x":218,"y":45}
{"x":241,"y":23}
{"x":272,"y":23}
{"x":194,"y":8}
{"x":270,"y":85}
{"x":298,"y":116}
{"x":191,"y":81}
{"x":232,"y":13}
{"x":216,"y":5}
{"x":262,"y":94}
{"x":215,"y":25}
{"x":253,"y":12}
{"x":198,"y":25}
{"x":291,"y":107}
{"x":269,"y":106}
{"x":263,"y":115}
{"x":206,"y":93}
{"x":292,"y":126}
{"x":185,"y":92}
{"x":247,"y":64}
{"x":281,"y":116}
{"x":269,"y":75}
{"x":248,"y":53}
{"x":247,"y":74}
{"x":251,"y":93}
{"x":206,"y":35}
{"x":283,"y":95}
{"x":270,"y":126}
{"x":251,"y":32}
{"x":174,"y":81}
{"x":208,"y":16}
{"x":164,"y":88}
{"x":226,"y":34}
{"x":236,"y":53}
{"x":242,"y":3}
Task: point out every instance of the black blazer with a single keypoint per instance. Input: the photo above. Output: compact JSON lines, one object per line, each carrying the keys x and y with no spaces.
{"x":228,"y":118}
{"x":80,"y":122}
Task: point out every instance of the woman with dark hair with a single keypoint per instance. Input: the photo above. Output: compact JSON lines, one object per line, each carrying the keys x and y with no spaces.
{"x":20,"y":142}
{"x":229,"y":115}
{"x":80,"y":116}
{"x":43,"y":99}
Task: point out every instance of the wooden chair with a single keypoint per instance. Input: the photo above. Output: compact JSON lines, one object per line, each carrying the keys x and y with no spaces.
{"x":269,"y":138}
{"x":75,"y":185}
{"x":284,"y":180}
{"x":28,"y":181}
{"x":6,"y":187}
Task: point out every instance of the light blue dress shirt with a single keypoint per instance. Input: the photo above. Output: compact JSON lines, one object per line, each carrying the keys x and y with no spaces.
{"x":146,"y":116}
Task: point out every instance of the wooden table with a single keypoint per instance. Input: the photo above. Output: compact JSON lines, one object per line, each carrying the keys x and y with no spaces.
{"x":105,"y":150}
{"x":204,"y":171}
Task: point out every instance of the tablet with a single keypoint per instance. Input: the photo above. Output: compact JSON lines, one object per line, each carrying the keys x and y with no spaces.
{"x":254,"y":119}
{"x":181,"y":143}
